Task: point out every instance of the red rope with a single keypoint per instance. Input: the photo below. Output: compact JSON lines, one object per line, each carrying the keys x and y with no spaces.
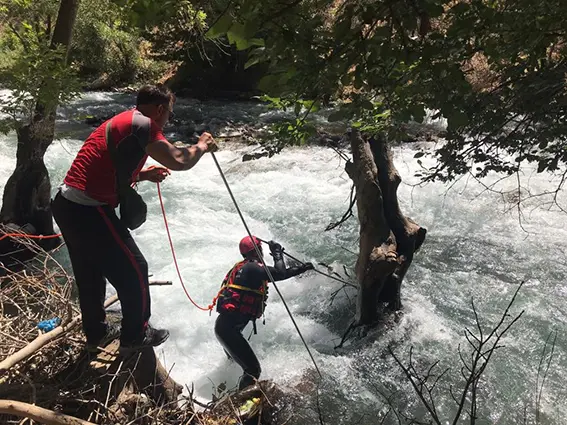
{"x":23,"y":235}
{"x":210,"y":306}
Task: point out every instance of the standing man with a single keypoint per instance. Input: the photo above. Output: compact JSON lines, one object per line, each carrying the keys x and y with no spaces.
{"x":243,"y":298}
{"x":99,"y":243}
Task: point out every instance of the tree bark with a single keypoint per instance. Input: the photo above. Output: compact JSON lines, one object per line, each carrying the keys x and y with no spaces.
{"x":38,"y":414}
{"x":408,"y":234}
{"x":28,"y":191}
{"x":124,"y":378}
{"x":388,"y":239}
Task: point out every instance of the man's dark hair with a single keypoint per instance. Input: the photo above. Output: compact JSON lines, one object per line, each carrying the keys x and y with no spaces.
{"x":154,"y":95}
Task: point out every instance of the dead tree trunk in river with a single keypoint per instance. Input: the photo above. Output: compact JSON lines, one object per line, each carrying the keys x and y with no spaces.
{"x":388,"y":239}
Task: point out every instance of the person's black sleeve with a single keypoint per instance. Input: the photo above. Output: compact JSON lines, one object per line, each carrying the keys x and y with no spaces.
{"x":280,"y":272}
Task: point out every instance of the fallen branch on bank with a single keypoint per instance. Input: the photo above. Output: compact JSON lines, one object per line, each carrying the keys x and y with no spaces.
{"x":48,"y":377}
{"x":45,"y":338}
{"x":39,"y":414}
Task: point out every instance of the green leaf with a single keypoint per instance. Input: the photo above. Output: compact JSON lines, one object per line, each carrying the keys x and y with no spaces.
{"x":311,"y":106}
{"x":253,"y":61}
{"x":220,"y":27}
{"x":257,"y":42}
{"x":247,"y":6}
{"x":250,"y":29}
{"x":342,"y":28}
{"x":236,"y":36}
{"x":433,"y":10}
{"x":237,"y":30}
{"x":346,"y":79}
{"x":457,"y":119}
{"x":309,"y":129}
{"x":339,"y":115}
{"x":417,"y":112}
{"x":268,"y":82}
{"x":381,"y":32}
{"x":274,"y":100}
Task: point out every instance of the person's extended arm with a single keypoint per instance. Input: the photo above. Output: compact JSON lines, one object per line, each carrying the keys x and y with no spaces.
{"x":288,"y":272}
{"x":180,"y":158}
{"x":280,"y":271}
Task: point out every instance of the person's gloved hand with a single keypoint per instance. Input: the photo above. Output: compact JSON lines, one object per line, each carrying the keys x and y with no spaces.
{"x":307,"y":266}
{"x":275,"y":247}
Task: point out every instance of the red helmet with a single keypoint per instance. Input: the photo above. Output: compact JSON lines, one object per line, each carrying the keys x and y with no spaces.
{"x":246,"y":245}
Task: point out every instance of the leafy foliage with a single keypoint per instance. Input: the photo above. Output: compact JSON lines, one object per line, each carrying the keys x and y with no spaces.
{"x":104,"y":44}
{"x":37,"y":72}
{"x":494,"y":69}
{"x":389,"y":62}
{"x":290,"y":130}
{"x":179,"y":33}
{"x":205,"y":66}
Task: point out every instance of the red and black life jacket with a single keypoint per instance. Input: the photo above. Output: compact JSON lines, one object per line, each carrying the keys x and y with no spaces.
{"x":239,"y":298}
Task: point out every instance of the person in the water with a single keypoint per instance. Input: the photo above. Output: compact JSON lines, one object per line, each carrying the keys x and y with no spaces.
{"x":242,"y":299}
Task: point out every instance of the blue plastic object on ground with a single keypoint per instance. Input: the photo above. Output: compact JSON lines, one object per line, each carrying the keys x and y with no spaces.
{"x":49,"y":325}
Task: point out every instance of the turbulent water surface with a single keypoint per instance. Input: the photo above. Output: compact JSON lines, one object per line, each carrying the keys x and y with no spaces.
{"x":477,"y":247}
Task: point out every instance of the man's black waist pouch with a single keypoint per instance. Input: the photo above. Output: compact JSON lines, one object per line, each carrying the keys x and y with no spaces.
{"x":133,"y":209}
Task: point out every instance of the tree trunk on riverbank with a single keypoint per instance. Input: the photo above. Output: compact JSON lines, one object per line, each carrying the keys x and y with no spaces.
{"x":388,"y":239}
{"x":28,"y":191}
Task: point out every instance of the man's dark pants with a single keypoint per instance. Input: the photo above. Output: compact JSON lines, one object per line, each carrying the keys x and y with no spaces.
{"x":100,"y":247}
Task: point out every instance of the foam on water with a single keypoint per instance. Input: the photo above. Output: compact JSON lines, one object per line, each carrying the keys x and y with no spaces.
{"x":475,"y":248}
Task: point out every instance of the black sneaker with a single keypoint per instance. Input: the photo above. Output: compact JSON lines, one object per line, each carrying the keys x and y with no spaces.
{"x":152,"y":338}
{"x":112,"y":333}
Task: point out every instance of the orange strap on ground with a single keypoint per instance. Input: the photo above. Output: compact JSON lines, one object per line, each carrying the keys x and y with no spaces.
{"x":210,"y":306}
{"x":23,"y":235}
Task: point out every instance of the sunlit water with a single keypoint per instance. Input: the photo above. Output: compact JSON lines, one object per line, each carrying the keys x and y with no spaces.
{"x":476,"y":248}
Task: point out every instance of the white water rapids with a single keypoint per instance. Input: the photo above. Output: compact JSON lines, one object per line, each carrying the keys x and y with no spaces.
{"x":475,"y":247}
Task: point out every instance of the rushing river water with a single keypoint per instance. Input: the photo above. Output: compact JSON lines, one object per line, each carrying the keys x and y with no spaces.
{"x":476,"y":247}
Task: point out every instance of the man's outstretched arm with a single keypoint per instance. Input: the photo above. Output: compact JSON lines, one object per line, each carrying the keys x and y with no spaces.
{"x":179,"y":159}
